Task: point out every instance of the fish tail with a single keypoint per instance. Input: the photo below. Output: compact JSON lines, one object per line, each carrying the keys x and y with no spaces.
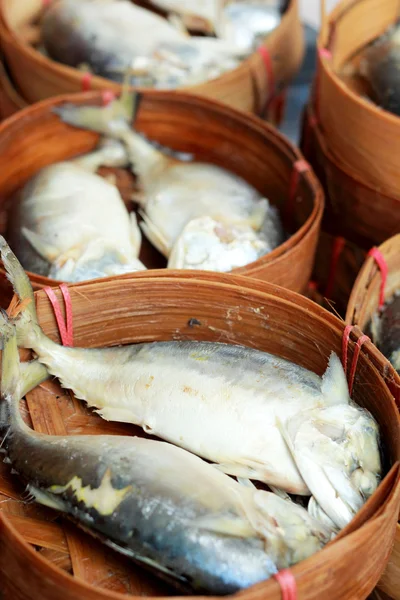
{"x":10,"y":374}
{"x":112,"y":120}
{"x":28,"y":328}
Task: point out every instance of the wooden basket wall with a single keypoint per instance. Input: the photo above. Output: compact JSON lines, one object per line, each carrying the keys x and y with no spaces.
{"x":354,"y":209}
{"x":144,"y":307}
{"x":362,"y":305}
{"x":337,"y":264}
{"x":214,"y":132}
{"x":10,"y":100}
{"x":364,"y":137}
{"x":246,"y":88}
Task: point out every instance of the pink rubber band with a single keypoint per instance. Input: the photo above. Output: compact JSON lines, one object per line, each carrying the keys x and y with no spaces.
{"x":382,"y":264}
{"x":337,"y":249}
{"x":299,"y":167}
{"x":46,"y":2}
{"x":325,"y":53}
{"x":345,"y":345}
{"x":107,"y":96}
{"x":287,"y":583}
{"x":65,"y":327}
{"x":86,"y":82}
{"x":265,"y":55}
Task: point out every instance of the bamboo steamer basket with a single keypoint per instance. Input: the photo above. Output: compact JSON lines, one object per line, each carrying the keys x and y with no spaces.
{"x":354,"y":209}
{"x":365,"y":137}
{"x":363,"y":303}
{"x":202,"y":306}
{"x":248,"y":87}
{"x":337,"y":264}
{"x":10,"y":100}
{"x":212,"y":131}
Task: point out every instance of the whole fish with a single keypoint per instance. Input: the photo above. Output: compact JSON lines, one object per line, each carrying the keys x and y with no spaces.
{"x":381,"y":67}
{"x":244,"y":24}
{"x":214,"y":246}
{"x":386,"y":330}
{"x":174,"y":192}
{"x":156,"y":503}
{"x":71,"y":224}
{"x":238,"y":407}
{"x":114,"y":37}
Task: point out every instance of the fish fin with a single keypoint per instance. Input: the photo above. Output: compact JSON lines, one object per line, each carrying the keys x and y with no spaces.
{"x":136,"y":234}
{"x":154,"y":235}
{"x":28,"y":329}
{"x":177,"y":256}
{"x":139,"y":197}
{"x":236,"y":469}
{"x":10,"y":365}
{"x":227,"y":526}
{"x":110,"y":120}
{"x":121,"y":415}
{"x":46,"y":499}
{"x":246,"y":482}
{"x":259,"y":214}
{"x":278,"y":492}
{"x":334,"y":388}
{"x":33,"y":373}
{"x":43,"y":248}
{"x":178,"y":23}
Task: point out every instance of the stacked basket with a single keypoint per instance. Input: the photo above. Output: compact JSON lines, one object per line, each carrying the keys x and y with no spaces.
{"x":351,"y":142}
{"x":211,"y":131}
{"x":257,"y":85}
{"x":375,"y":285}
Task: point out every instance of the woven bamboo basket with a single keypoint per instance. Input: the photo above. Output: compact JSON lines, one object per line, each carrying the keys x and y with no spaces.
{"x":337,"y":264}
{"x":364,"y":137}
{"x":363,"y":303}
{"x":298,"y":330}
{"x":355,"y":209}
{"x":247,"y":88}
{"x":212,"y":131}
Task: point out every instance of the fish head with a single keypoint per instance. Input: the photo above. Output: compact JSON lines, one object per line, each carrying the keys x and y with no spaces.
{"x":215,"y":245}
{"x":336,"y":450}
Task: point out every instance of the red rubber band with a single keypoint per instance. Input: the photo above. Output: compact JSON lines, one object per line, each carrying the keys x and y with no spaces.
{"x":299,"y":167}
{"x":86,"y":82}
{"x":266,"y":56}
{"x":65,"y":327}
{"x":337,"y":249}
{"x":287,"y":583}
{"x":46,"y":3}
{"x":107,"y":96}
{"x":382,"y":264}
{"x":345,"y":345}
{"x":279,"y":107}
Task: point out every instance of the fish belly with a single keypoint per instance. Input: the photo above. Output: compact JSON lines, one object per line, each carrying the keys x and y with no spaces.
{"x":199,"y":397}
